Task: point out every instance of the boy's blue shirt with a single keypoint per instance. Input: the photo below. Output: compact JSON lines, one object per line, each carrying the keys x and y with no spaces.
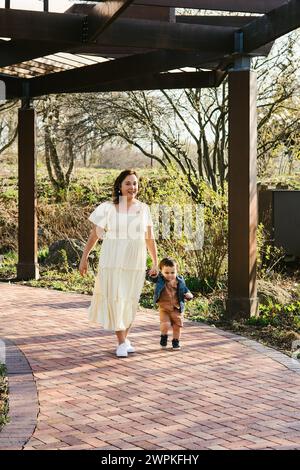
{"x":160,"y":284}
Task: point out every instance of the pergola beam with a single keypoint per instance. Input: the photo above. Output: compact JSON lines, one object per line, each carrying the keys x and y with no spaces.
{"x":269,"y":27}
{"x":150,"y":13}
{"x":175,"y":80}
{"x":108,"y":51}
{"x":60,"y":27}
{"x":13,"y":86}
{"x":102,"y":15}
{"x":66,"y":29}
{"x":160,"y":35}
{"x":168,"y":81}
{"x":41,"y":26}
{"x":216,"y":20}
{"x":15,"y":52}
{"x":139,"y":65}
{"x":255,"y":6}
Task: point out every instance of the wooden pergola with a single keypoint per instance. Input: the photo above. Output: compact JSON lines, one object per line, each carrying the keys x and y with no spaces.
{"x":137,"y":45}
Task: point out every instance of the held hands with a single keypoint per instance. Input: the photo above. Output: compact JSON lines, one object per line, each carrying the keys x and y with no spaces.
{"x":154,"y":271}
{"x":83,"y":267}
{"x":188,"y":296}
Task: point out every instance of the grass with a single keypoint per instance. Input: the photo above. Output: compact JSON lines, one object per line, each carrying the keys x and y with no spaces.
{"x":3,"y":397}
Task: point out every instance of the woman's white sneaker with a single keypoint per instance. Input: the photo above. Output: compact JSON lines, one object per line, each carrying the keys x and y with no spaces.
{"x":130,"y":348}
{"x":122,"y":350}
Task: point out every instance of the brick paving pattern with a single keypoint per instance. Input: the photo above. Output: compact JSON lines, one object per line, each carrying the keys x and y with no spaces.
{"x":221,"y":391}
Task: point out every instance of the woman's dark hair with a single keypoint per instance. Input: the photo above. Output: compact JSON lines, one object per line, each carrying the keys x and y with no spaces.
{"x":167,"y":262}
{"x":118,"y":182}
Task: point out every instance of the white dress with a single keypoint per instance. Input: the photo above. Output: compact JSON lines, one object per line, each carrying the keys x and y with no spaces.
{"x":122,"y":264}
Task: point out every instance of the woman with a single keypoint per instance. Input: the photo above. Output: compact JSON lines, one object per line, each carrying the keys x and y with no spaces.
{"x":126,"y":227}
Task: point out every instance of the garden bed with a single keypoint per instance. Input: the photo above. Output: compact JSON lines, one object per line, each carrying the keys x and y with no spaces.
{"x":3,"y":396}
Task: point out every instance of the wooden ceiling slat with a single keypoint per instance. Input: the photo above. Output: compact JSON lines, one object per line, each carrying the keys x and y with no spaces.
{"x":14,"y":52}
{"x":46,"y":65}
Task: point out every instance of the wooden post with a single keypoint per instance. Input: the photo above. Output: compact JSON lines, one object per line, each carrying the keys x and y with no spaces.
{"x":242,"y":288}
{"x":27,"y":267}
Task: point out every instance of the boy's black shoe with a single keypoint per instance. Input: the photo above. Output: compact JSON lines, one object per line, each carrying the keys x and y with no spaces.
{"x":175,"y":344}
{"x":163,"y":341}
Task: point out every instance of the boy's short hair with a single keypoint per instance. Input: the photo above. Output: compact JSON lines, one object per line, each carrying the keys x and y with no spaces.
{"x":167,"y":262}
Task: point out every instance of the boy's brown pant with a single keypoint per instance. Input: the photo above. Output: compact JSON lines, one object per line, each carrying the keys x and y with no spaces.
{"x":173,"y":318}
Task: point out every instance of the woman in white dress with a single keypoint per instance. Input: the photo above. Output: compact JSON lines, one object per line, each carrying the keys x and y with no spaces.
{"x":126,"y":228}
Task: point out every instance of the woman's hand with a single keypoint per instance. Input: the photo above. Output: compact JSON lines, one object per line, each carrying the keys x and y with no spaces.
{"x":83,"y":267}
{"x":154,"y":271}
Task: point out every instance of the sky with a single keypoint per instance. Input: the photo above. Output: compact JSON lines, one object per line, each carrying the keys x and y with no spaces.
{"x":54,"y":5}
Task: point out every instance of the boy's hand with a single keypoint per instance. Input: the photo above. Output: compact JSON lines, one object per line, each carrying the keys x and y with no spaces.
{"x":188,"y":296}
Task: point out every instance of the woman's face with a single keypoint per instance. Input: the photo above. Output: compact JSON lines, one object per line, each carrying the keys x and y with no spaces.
{"x":129,"y":187}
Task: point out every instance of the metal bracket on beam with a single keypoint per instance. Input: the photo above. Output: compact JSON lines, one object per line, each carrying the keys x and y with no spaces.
{"x":241,"y":61}
{"x":85,"y":30}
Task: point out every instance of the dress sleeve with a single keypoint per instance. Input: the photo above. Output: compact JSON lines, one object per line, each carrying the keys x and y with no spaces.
{"x":99,"y":215}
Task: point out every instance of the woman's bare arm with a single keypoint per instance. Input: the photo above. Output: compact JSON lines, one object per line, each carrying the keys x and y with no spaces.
{"x":95,"y":234}
{"x":152,"y":248}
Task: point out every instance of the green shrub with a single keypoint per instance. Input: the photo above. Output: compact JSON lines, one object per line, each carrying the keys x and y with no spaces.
{"x":269,"y":256}
{"x":10,"y":194}
{"x":42,"y":254}
{"x":277,"y":315}
{"x":210,"y":263}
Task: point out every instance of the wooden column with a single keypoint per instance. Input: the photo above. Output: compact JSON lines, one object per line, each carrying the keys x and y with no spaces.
{"x":242,"y":290}
{"x":27,"y":267}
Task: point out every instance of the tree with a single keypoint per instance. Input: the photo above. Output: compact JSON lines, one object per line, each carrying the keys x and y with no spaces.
{"x":8,"y":125}
{"x":189,"y":128}
{"x":278,"y":103}
{"x":58,"y":143}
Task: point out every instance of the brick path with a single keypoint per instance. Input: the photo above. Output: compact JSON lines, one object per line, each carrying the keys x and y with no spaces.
{"x":221,"y":391}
